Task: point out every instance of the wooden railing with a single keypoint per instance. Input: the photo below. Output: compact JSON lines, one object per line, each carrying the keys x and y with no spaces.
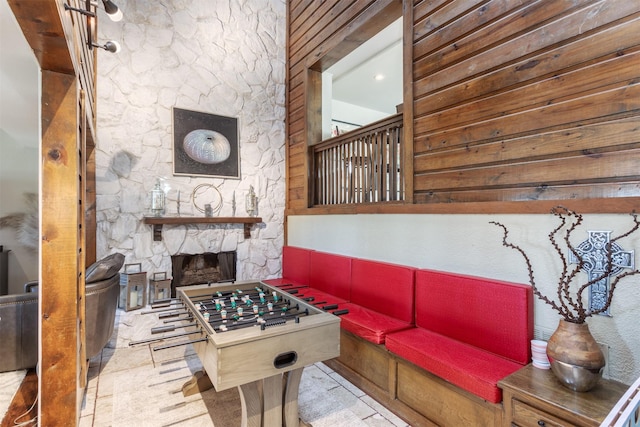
{"x":361,"y":166}
{"x":626,"y":413}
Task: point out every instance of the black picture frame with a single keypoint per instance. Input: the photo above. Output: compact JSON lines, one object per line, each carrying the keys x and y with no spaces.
{"x":185,"y":121}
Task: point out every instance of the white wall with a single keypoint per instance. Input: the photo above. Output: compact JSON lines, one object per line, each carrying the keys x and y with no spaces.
{"x":19,"y":142}
{"x":225,"y":58}
{"x":468,"y":244}
{"x":350,"y":113}
{"x":18,"y":175}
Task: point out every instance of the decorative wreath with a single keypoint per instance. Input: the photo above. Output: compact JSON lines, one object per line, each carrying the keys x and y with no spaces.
{"x":200,"y":190}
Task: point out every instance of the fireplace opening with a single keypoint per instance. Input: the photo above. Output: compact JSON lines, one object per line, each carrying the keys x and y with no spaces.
{"x":202,"y":268}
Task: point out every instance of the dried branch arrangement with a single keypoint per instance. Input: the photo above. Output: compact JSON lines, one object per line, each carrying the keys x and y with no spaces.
{"x":569,"y":297}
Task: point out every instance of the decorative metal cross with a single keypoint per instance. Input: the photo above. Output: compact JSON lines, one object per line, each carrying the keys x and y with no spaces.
{"x":593,"y":252}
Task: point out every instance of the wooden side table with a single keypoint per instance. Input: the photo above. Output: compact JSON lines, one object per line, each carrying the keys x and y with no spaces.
{"x":534,"y":397}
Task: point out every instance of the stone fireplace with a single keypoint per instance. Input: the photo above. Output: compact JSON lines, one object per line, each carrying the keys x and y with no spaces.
{"x":202,"y":268}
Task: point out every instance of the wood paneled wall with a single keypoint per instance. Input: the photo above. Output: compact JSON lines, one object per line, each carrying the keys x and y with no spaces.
{"x":514,"y":106}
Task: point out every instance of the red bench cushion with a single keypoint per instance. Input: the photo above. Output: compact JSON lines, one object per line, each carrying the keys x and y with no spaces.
{"x":295,"y":264}
{"x":489,"y":314}
{"x":331,"y":274}
{"x":318,"y":296}
{"x":470,"y":368}
{"x":384,"y":288}
{"x":369,"y":324}
{"x":295,"y":267}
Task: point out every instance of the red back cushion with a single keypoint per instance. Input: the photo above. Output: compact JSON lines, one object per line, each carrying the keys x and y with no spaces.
{"x":295,"y":264}
{"x":382,"y":287}
{"x":330,"y":273}
{"x":489,"y":314}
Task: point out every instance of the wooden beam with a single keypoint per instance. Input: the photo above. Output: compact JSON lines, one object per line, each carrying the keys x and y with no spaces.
{"x":60,"y":248}
{"x":42,"y":27}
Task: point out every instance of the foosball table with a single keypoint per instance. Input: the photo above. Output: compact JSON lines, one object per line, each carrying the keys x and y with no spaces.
{"x":255,"y":337}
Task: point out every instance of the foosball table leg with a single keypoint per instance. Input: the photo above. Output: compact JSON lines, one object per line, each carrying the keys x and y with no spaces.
{"x":272,"y":399}
{"x":251,"y":402}
{"x":198,"y":383}
{"x":290,"y":400}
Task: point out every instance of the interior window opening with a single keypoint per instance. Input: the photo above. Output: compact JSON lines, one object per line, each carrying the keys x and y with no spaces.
{"x":365,"y":86}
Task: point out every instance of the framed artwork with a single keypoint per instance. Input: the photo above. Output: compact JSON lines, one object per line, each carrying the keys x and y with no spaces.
{"x":205,"y":144}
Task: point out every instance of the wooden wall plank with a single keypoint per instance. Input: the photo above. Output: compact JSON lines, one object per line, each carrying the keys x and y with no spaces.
{"x":431,"y":74}
{"x":585,"y":168}
{"x":468,"y":35}
{"x":619,"y":71}
{"x":421,"y":11}
{"x":588,"y":198}
{"x":592,"y":138}
{"x":616,"y":102}
{"x":297,"y":7}
{"x":321,"y":18}
{"x":446,"y":13}
{"x":609,"y":43}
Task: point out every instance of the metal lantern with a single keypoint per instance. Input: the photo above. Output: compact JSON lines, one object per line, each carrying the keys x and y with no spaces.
{"x":159,"y":287}
{"x":133,"y":288}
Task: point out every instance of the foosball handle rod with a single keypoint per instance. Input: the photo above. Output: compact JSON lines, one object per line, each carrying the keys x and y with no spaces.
{"x":178,"y":319}
{"x":166,"y":337}
{"x":165,"y":302}
{"x":170,"y":328}
{"x":162,"y":309}
{"x":164,"y":347}
{"x":172,"y":314}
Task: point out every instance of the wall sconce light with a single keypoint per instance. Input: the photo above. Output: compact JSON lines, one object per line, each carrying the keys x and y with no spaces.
{"x":112,"y":11}
{"x":110,"y":46}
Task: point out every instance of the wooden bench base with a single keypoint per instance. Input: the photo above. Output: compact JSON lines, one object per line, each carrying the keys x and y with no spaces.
{"x":415,"y":395}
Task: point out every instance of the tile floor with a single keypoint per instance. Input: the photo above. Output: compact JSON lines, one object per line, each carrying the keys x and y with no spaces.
{"x":137,"y":386}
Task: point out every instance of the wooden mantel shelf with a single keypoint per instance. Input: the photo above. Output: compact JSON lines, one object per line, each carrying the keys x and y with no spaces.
{"x":159,"y":221}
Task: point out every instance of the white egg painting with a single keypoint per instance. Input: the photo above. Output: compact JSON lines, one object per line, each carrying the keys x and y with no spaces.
{"x":207,"y":146}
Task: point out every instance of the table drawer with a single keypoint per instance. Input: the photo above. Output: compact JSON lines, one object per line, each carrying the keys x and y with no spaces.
{"x":525,"y":415}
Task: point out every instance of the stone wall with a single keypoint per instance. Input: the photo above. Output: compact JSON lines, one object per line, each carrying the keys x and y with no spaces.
{"x":225,"y":58}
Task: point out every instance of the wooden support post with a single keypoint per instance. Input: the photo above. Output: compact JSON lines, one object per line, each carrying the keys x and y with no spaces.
{"x":59,"y":385}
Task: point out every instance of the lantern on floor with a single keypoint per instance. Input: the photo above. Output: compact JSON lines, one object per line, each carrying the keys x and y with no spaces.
{"x":133,"y":287}
{"x":159,"y":287}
